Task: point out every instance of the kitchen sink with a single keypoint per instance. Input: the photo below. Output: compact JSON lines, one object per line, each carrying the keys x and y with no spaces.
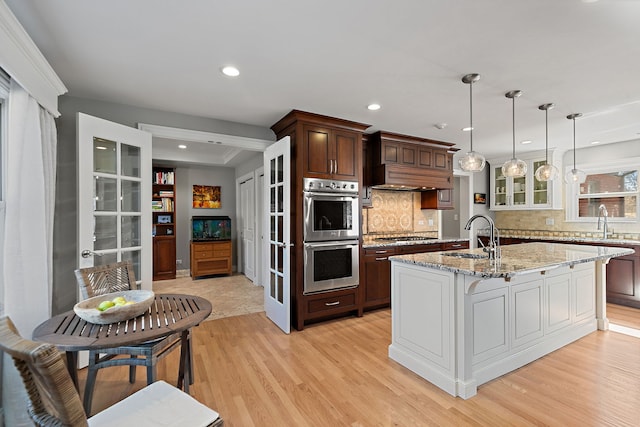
{"x":465,"y":255}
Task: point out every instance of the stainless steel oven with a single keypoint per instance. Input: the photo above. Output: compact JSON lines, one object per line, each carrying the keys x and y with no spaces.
{"x":331,"y":265}
{"x":330,"y":210}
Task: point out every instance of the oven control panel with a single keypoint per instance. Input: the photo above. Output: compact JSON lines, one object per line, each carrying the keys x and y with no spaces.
{"x":330,"y":186}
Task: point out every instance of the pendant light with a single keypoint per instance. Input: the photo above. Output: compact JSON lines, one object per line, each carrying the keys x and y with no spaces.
{"x":514,"y":167}
{"x":574,"y":176}
{"x":546,"y":172}
{"x":472,"y":161}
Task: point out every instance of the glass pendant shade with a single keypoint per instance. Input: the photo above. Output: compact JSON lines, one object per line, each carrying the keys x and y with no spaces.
{"x":574,"y":176}
{"x":514,"y":167}
{"x":546,"y":172}
{"x":472,"y":161}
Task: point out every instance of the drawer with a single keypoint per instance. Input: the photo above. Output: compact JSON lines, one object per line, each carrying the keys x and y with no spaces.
{"x":199,"y":254}
{"x":331,"y":303}
{"x":381,"y":251}
{"x":455,"y":245}
{"x":221,"y":252}
{"x":203,"y":246}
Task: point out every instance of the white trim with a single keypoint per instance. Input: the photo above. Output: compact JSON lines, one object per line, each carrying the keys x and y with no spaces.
{"x":21,"y":59}
{"x":571,"y":201}
{"x":239,"y":249}
{"x":240,"y":142}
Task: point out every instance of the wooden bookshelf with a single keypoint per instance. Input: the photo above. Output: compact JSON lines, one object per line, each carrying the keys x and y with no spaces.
{"x":164,"y":223}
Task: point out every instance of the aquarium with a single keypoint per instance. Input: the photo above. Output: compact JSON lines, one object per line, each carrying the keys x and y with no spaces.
{"x":210,"y":228}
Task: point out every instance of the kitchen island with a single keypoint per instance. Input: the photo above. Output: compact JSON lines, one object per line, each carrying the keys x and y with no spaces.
{"x":460,"y":320}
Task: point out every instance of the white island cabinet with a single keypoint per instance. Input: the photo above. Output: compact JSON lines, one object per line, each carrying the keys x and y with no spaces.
{"x":459,"y":322}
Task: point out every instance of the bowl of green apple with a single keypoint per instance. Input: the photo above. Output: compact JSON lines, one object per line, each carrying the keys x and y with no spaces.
{"x":114,"y":307}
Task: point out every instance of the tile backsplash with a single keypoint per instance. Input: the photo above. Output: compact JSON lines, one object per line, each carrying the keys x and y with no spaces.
{"x":398,"y":212}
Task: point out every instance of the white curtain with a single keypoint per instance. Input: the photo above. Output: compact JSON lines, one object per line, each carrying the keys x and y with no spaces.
{"x":28,"y":237}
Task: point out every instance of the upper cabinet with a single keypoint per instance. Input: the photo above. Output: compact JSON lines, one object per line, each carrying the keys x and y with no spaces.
{"x":408,"y":161}
{"x":526,"y":193}
{"x":329,"y":148}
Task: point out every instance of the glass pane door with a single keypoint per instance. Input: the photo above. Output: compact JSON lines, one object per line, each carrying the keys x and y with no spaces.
{"x":540,"y":193}
{"x":501,"y":188}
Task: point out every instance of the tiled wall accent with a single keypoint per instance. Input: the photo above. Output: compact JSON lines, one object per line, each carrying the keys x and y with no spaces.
{"x":398,"y":212}
{"x":534,"y":223}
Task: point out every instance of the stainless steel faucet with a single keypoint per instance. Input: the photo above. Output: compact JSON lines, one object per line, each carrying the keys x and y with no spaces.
{"x":493,"y":248}
{"x":602,"y":213}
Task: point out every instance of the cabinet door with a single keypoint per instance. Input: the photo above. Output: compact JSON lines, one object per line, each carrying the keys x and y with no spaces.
{"x":317,"y":151}
{"x":377,"y":279}
{"x":499,"y":189}
{"x":347,"y":147}
{"x":623,"y":280}
{"x":540,"y":188}
{"x":164,"y":257}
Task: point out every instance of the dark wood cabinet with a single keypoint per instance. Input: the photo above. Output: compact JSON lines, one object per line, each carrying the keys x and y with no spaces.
{"x":331,"y":153}
{"x":328,"y":148}
{"x":164,"y":257}
{"x":437,"y":199}
{"x":164,"y":223}
{"x":376,"y":277}
{"x":623,"y":279}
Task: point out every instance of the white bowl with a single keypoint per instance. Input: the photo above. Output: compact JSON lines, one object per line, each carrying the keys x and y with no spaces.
{"x":88,"y":309}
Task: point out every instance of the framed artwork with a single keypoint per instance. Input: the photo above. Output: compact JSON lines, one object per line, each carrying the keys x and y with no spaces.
{"x":480,"y":198}
{"x":206,"y":197}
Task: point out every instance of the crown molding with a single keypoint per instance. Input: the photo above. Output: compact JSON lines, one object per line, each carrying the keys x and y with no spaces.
{"x":23,"y":61}
{"x":239,"y":142}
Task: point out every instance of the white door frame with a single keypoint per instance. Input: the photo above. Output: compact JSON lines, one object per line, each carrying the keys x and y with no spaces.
{"x":239,"y":225}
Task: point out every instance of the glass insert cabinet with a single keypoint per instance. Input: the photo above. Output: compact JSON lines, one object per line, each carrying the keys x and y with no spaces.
{"x":526,"y":192}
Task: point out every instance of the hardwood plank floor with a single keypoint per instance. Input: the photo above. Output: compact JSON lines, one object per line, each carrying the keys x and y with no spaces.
{"x":624,"y":316}
{"x":338,"y":374}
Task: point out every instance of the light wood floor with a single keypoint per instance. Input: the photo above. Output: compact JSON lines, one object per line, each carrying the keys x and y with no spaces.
{"x":338,"y":374}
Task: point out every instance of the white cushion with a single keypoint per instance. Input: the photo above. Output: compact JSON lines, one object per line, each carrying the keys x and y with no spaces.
{"x":158,"y":404}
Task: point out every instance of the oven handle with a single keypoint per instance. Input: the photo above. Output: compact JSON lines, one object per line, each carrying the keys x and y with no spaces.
{"x":332,"y":195}
{"x":329,"y":245}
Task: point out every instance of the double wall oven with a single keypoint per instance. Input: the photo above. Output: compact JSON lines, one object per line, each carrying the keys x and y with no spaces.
{"x":331,"y":235}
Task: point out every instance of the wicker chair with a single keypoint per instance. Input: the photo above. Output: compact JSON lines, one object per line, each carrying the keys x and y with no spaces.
{"x":54,"y":400}
{"x":95,"y":281}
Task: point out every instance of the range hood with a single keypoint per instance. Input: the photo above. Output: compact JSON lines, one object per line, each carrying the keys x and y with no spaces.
{"x":409,"y":163}
{"x":407,"y":178}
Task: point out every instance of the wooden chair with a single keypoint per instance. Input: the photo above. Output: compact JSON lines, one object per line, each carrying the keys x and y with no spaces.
{"x":95,"y":281}
{"x":54,"y":400}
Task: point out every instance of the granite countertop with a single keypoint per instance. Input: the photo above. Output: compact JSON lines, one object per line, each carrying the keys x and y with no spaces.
{"x":517,"y":259}
{"x":371,"y":242}
{"x":596,"y":240}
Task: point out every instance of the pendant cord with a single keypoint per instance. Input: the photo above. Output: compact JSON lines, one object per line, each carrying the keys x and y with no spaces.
{"x":513,"y":116}
{"x":471,"y":116}
{"x":546,"y":137}
{"x":574,"y":144}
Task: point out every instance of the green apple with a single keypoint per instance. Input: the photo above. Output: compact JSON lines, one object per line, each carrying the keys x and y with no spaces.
{"x":105,"y":305}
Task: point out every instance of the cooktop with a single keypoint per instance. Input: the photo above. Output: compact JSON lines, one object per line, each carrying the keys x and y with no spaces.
{"x":402,"y":238}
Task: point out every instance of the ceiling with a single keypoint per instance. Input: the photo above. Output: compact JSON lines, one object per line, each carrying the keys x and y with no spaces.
{"x":334,"y":57}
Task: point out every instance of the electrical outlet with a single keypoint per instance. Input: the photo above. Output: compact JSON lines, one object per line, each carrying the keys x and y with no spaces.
{"x":178,"y":262}
{"x":549,"y":221}
{"x":421,"y":222}
{"x":455,"y":217}
{"x":430,"y":221}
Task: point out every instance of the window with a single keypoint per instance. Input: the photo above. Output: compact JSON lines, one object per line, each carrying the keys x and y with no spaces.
{"x":615,"y":187}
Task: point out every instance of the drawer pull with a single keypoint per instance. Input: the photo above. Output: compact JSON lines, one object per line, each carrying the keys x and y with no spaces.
{"x":457,"y":245}
{"x":329,"y":304}
{"x":382,"y":259}
{"x":381,"y":252}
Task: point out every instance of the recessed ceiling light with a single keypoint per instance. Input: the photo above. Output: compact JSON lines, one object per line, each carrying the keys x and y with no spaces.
{"x":182,"y":146}
{"x":230,"y":71}
{"x":373,"y":107}
{"x":595,"y":142}
{"x":440,"y":125}
{"x":526,"y":141}
{"x":467,"y":129}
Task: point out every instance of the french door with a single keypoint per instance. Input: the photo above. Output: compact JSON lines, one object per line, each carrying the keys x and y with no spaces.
{"x":277,"y":227}
{"x":114,"y":196}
